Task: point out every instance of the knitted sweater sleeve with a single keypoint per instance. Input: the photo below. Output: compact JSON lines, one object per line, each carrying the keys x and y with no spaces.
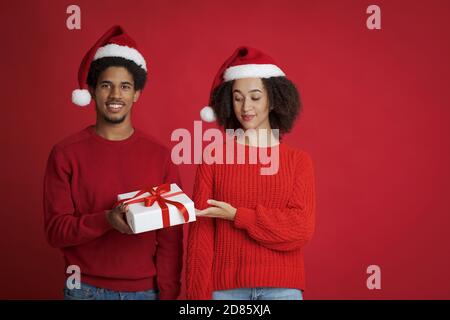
{"x":289,"y":228}
{"x":63,"y":227}
{"x":201,"y":240}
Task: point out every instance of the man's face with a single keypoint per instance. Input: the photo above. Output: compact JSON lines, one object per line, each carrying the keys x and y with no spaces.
{"x":115,"y":94}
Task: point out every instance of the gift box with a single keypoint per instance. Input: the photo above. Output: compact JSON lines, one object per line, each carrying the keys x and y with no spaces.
{"x":159,"y":207}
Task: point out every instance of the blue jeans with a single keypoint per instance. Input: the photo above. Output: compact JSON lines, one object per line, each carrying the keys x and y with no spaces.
{"x":258,"y":294}
{"x":88,"y":292}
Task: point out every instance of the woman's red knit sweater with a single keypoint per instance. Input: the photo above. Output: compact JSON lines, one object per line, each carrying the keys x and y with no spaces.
{"x":263,"y":246}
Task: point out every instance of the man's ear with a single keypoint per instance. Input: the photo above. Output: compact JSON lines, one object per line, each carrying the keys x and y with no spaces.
{"x":136,"y":95}
{"x":92,"y":92}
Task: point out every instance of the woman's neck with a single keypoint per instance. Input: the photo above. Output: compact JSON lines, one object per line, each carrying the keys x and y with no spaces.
{"x":259,"y":138}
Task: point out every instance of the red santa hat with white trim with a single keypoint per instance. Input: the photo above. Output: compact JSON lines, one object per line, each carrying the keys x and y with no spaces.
{"x":114,"y":43}
{"x":245,"y":62}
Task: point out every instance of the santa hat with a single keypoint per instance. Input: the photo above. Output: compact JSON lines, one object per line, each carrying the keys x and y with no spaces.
{"x":114,"y":43}
{"x":245,"y":62}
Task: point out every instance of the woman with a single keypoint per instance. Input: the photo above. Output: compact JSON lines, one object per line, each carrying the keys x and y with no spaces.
{"x":251,"y":227}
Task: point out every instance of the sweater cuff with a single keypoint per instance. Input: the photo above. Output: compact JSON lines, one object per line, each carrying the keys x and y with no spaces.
{"x":244,"y":218}
{"x":98,"y":221}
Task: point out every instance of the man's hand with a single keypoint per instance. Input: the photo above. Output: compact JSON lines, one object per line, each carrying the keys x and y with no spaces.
{"x":116,"y":217}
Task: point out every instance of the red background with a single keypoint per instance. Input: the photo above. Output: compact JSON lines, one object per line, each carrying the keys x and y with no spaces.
{"x":376,"y":123}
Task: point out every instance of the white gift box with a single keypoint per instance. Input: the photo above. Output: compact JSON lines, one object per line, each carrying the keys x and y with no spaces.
{"x":141,"y":218}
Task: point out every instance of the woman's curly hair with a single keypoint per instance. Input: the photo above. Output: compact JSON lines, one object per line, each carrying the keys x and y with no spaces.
{"x":284,"y":104}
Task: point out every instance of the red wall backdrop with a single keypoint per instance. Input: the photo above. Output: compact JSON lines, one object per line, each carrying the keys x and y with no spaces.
{"x":376,"y":123}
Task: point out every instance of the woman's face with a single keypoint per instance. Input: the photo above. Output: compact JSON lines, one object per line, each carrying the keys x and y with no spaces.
{"x":251,"y":103}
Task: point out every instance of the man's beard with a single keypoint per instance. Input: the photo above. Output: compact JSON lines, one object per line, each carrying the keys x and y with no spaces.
{"x":114,"y":121}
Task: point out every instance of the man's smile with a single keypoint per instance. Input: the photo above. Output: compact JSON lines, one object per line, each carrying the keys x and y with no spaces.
{"x":115,"y":106}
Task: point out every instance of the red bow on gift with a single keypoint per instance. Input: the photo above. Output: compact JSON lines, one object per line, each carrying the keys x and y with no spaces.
{"x":159,"y":194}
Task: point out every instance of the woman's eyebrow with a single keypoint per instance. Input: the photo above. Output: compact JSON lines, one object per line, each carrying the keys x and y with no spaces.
{"x":254,"y":90}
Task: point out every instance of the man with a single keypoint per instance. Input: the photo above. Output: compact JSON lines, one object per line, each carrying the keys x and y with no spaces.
{"x":87,"y":171}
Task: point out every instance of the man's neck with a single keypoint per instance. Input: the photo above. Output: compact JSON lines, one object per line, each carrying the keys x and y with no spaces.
{"x":114,"y":132}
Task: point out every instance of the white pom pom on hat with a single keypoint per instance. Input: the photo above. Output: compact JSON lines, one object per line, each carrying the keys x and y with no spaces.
{"x":114,"y":43}
{"x":207,"y":114}
{"x":81,"y":97}
{"x":245,"y":62}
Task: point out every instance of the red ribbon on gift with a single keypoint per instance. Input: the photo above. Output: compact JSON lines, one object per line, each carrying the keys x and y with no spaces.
{"x":159,"y":194}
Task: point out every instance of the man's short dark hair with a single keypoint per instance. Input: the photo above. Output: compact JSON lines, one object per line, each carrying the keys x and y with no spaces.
{"x":100,"y":65}
{"x":284,"y":103}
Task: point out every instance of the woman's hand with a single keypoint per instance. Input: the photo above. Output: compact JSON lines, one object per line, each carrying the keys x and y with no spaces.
{"x":219,"y":209}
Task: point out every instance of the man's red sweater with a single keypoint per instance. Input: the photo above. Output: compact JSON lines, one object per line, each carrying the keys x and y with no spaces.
{"x":84,"y":175}
{"x":263,"y":246}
